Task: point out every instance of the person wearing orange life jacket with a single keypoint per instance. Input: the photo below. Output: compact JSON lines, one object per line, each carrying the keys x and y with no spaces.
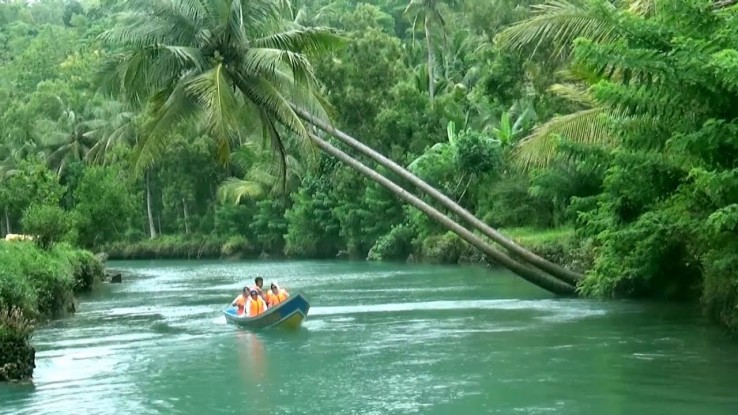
{"x":259,"y":284}
{"x":276,"y":295}
{"x":240,"y":301}
{"x":255,"y":305}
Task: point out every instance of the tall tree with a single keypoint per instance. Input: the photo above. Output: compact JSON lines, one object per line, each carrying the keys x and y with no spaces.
{"x":432,"y":14}
{"x":237,"y":62}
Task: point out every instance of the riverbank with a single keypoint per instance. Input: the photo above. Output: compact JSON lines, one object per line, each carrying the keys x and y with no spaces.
{"x":182,"y":247}
{"x":557,"y":245}
{"x":35,"y":286}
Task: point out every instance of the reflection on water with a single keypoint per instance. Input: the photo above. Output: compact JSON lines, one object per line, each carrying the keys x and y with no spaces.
{"x":380,"y":339}
{"x":253,"y":367}
{"x":251,"y":357}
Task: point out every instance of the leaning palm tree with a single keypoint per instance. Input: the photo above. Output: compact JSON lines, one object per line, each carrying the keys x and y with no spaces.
{"x":232,"y":62}
{"x":532,"y":275}
{"x":565,"y":275}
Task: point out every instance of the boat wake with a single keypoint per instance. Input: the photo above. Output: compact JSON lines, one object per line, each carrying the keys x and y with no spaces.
{"x":562,"y":308}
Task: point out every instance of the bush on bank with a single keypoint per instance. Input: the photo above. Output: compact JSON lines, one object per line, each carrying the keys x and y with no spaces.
{"x":35,"y":285}
{"x":41,"y":283}
{"x":558,"y":245}
{"x":181,"y":247}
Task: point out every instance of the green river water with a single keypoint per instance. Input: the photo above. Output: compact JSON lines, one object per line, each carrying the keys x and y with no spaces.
{"x":380,"y":339}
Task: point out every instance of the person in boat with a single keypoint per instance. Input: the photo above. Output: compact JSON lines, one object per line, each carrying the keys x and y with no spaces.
{"x":259,"y":281}
{"x":240,"y":301}
{"x":255,"y":305}
{"x":276,"y":295}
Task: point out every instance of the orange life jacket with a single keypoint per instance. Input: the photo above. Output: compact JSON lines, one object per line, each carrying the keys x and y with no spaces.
{"x":259,"y":291}
{"x":274,"y":299}
{"x":240,"y":304}
{"x":256,"y":307}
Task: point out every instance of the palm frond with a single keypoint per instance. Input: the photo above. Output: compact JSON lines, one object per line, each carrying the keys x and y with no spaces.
{"x":295,"y":168}
{"x":642,"y":7}
{"x":274,"y":104}
{"x":257,"y":168}
{"x":138,"y":74}
{"x":234,"y":190}
{"x":186,"y":55}
{"x":214,"y":92}
{"x":262,"y":174}
{"x":168,"y":107}
{"x":270,"y":130}
{"x":576,"y":93}
{"x":588,"y":126}
{"x":264,"y":14}
{"x":438,"y":17}
{"x":558,"y":22}
{"x":303,"y":96}
{"x":307,"y":99}
{"x":159,"y":22}
{"x":102,"y":146}
{"x":245,"y":157}
{"x":302,"y":19}
{"x":120,"y":129}
{"x":266,"y":61}
{"x":307,"y":40}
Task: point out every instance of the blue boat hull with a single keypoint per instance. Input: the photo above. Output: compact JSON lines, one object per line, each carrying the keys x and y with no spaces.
{"x":288,"y":314}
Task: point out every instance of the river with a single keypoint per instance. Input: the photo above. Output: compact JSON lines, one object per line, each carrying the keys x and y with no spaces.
{"x":379,"y":339}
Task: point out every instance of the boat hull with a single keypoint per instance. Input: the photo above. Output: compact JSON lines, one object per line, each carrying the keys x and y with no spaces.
{"x":288,"y":314}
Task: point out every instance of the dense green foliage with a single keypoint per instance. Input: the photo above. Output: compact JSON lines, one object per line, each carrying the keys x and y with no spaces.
{"x":37,"y":283}
{"x":41,"y":283}
{"x":377,"y":86}
{"x":665,"y":220}
{"x":625,"y":133}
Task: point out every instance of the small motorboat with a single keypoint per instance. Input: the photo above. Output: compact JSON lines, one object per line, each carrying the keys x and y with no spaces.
{"x":288,"y":314}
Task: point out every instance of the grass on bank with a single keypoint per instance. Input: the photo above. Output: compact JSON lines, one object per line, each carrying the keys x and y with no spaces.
{"x":41,"y":283}
{"x":397,"y":245}
{"x":180,"y":247}
{"x":529,"y":237}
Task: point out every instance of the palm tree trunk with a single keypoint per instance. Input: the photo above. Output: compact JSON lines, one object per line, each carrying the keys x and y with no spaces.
{"x":7,"y":221}
{"x":557,"y":271}
{"x":431,"y":57}
{"x":532,"y":275}
{"x":186,"y":220}
{"x":152,"y":229}
{"x":465,"y":189}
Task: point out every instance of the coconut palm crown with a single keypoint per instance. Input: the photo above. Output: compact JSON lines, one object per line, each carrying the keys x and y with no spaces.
{"x":235,"y":65}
